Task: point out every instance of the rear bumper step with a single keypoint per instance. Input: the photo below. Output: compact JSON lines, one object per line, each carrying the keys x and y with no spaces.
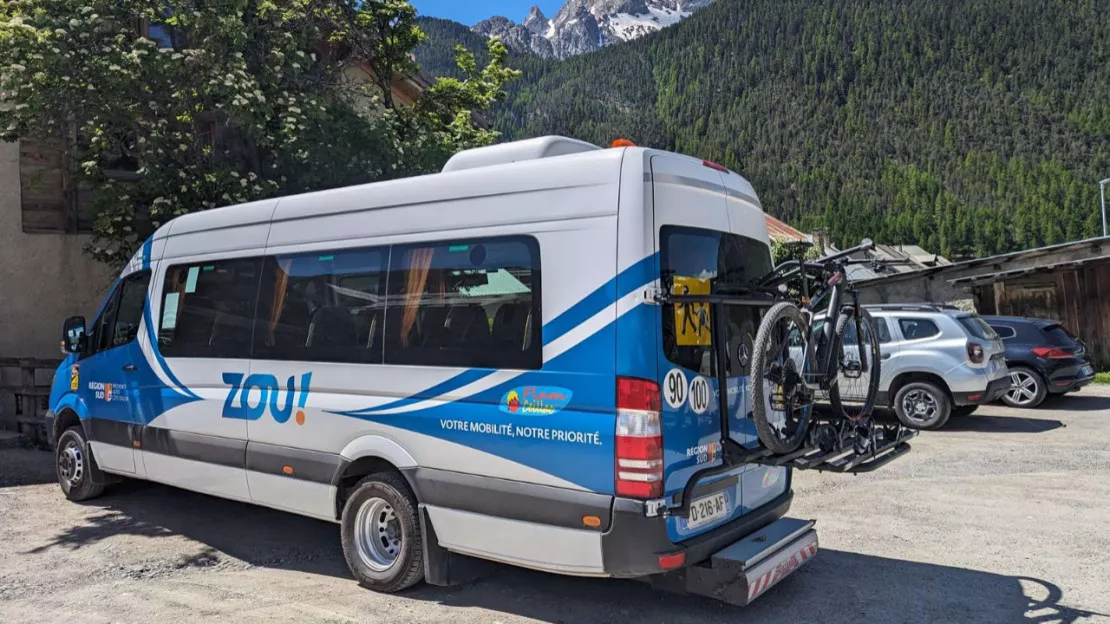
{"x":744,"y":571}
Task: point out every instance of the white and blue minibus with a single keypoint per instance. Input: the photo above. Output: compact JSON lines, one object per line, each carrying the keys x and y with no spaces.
{"x":471,"y":364}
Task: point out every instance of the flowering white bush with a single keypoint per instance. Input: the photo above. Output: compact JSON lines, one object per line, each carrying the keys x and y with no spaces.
{"x":250,"y":101}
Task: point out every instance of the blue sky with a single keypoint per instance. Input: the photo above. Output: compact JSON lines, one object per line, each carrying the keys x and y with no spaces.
{"x":470,"y":12}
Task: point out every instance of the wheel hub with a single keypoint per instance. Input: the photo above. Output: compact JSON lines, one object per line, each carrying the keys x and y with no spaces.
{"x":1023,"y":388}
{"x":378,"y":534}
{"x":71,"y":464}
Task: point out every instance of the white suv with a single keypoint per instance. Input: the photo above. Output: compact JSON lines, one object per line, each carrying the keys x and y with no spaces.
{"x":937,"y":362}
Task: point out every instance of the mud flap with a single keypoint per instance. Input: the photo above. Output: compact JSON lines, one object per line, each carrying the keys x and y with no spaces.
{"x":744,"y":571}
{"x":442,"y":567}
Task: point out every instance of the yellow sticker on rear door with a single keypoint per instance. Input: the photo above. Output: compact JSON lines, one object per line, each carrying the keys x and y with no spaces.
{"x":691,"y":320}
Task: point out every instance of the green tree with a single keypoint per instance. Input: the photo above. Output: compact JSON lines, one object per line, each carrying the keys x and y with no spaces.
{"x":171,"y":106}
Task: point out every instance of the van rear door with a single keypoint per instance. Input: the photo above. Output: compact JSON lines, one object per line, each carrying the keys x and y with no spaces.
{"x":700,"y":254}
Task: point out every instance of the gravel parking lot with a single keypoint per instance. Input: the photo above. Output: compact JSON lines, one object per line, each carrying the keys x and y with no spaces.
{"x":1002,"y":517}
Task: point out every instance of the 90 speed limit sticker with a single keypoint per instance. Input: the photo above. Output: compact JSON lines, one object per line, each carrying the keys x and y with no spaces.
{"x":699,"y":395}
{"x":675,"y":388}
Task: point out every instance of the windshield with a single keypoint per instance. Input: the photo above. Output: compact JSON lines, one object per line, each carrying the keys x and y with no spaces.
{"x":701,"y":262}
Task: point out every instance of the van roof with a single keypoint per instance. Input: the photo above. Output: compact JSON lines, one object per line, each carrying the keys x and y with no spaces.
{"x":546,"y":163}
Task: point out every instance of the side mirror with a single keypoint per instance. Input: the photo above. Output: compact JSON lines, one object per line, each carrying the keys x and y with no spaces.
{"x":867,"y":244}
{"x":73,"y":335}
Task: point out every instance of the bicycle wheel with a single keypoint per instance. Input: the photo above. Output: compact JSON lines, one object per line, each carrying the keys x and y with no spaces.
{"x":855,"y":344}
{"x":781,"y":402}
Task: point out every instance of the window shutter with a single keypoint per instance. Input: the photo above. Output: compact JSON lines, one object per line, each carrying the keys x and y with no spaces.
{"x":42,"y":186}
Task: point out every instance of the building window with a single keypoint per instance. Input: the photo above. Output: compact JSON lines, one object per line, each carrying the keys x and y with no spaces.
{"x":323,"y":307}
{"x":470,"y":303}
{"x":208,"y":309}
{"x":50,"y":202}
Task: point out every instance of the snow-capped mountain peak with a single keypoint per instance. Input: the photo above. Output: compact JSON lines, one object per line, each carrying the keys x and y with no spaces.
{"x":585,"y":25}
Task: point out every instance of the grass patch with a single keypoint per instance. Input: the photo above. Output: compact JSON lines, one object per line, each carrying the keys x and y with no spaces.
{"x":1102,"y":378}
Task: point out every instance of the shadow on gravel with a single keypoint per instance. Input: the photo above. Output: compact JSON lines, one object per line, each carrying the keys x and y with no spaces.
{"x":256,"y":535}
{"x":1002,"y":424}
{"x":1076,"y":403}
{"x":838,"y":587}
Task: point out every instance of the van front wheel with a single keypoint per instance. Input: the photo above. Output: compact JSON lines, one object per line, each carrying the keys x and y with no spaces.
{"x":381,"y":535}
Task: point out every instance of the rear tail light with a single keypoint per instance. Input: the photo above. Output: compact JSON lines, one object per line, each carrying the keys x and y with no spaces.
{"x":975,"y":352}
{"x":639,"y":439}
{"x":1052,"y":353}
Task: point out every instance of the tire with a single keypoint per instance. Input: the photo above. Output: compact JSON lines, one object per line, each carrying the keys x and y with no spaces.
{"x":1033,"y":390}
{"x":938,"y":407}
{"x":758,"y":390}
{"x":78,"y":475}
{"x":379,"y":522}
{"x":964,"y":410}
{"x":856,"y":410}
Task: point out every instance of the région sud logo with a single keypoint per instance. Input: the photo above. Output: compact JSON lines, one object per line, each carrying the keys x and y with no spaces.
{"x":540,"y":400}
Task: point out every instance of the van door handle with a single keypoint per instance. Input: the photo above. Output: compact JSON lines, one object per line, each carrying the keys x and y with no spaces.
{"x":886,"y":356}
{"x":130,"y":368}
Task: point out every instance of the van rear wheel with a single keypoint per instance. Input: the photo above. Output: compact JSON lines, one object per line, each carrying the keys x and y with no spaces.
{"x":380,"y":532}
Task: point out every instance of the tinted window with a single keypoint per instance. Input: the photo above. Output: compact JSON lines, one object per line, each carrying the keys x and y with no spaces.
{"x":208,"y":309}
{"x":1004,"y":332}
{"x":323,"y":306}
{"x":882,"y":329}
{"x":977,"y":327}
{"x":129,"y":315}
{"x":472,"y":303}
{"x":101,"y":337}
{"x":1059,"y":336}
{"x":697,"y":261}
{"x":916,"y":329}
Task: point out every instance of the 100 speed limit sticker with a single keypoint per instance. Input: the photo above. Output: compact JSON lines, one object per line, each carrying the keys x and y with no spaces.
{"x":677,"y":391}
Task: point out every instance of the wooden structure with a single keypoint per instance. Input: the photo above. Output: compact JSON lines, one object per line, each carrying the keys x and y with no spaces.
{"x":24,"y":392}
{"x":1065,"y":283}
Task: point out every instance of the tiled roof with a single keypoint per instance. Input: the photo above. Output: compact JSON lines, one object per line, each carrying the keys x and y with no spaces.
{"x":781,"y":231}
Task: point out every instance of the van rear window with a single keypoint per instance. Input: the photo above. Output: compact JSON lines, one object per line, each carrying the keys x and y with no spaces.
{"x":699,"y":261}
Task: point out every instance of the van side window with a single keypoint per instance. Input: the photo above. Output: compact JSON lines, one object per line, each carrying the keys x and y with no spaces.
{"x":472,"y":303}
{"x":208,"y":309}
{"x":119,"y":322}
{"x":322,"y":307}
{"x":132,"y":302}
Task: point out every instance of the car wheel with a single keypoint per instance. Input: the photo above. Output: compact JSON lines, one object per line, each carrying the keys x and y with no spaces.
{"x":78,"y":473}
{"x":1027,"y":388}
{"x":964,"y":410}
{"x":381,"y":535}
{"x":922,"y":405}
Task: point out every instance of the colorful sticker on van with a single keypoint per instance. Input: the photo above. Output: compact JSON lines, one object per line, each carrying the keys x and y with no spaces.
{"x":691,"y":320}
{"x":536,"y":400}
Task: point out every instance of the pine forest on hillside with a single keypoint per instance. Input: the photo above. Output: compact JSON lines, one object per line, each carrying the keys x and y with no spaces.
{"x":969,"y":127}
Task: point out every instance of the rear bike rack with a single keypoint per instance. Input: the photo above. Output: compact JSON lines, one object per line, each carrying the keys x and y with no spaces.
{"x":845,"y":460}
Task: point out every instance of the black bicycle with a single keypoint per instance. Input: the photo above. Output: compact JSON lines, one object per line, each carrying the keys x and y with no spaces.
{"x":800,"y":357}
